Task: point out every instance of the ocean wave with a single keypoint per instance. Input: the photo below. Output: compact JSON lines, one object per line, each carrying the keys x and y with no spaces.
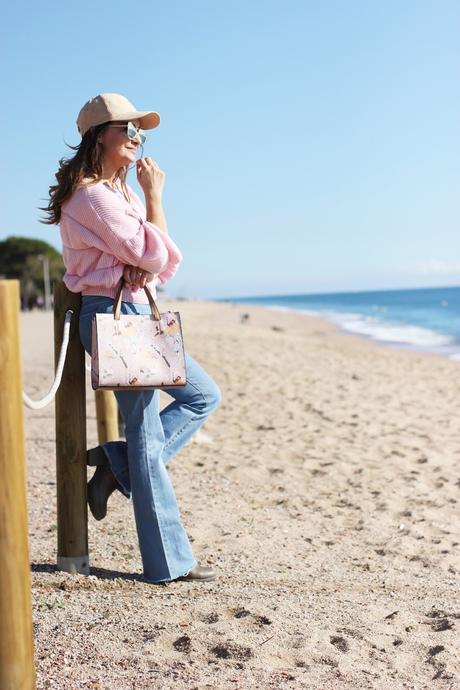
{"x":378,"y":328}
{"x":390,"y":331}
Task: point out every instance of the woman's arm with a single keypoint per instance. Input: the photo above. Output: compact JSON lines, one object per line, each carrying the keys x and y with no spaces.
{"x":151,"y":178}
{"x":123,"y":232}
{"x":155,"y":213}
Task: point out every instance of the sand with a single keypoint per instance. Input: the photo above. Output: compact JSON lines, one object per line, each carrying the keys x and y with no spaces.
{"x":324,"y":491}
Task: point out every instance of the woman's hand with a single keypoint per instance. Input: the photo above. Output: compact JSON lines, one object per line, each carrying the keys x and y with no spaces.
{"x":150,"y":177}
{"x":136,"y":276}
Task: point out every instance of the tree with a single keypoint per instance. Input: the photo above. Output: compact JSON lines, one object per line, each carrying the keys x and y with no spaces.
{"x":19,"y":258}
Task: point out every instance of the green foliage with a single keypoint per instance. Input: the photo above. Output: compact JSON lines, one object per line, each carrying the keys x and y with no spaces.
{"x":19,"y":258}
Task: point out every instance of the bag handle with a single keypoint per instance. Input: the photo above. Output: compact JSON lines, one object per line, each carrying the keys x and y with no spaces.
{"x":117,"y":302}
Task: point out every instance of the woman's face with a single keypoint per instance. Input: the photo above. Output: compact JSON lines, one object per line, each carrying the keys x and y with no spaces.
{"x":118,"y":149}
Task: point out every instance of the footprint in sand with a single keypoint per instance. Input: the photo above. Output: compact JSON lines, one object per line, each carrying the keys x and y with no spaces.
{"x":183,"y":644}
{"x":440,"y":620}
{"x":231,"y":650}
{"x":340,"y":643}
{"x":212,"y":617}
{"x":241,"y":612}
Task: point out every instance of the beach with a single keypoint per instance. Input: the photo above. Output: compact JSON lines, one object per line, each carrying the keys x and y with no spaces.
{"x":324,"y":491}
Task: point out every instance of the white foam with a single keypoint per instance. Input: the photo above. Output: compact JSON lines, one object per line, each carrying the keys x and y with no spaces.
{"x":378,"y":328}
{"x":392,"y":331}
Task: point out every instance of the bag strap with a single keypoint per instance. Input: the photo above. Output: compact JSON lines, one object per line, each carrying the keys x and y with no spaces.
{"x":117,"y":302}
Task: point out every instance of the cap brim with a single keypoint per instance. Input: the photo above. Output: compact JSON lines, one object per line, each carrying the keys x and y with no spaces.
{"x":149,"y":119}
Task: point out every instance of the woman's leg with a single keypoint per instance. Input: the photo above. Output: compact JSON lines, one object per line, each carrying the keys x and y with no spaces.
{"x":165,"y":548}
{"x":192,"y":405}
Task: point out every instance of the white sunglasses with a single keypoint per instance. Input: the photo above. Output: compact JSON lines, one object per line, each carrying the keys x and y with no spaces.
{"x":132,"y":131}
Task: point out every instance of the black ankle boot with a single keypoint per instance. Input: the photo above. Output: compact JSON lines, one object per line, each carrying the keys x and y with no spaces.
{"x":96,"y":456}
{"x":100,"y":487}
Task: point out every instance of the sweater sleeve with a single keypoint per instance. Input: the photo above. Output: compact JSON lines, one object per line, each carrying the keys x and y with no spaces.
{"x":175,"y":257}
{"x":127,"y":235}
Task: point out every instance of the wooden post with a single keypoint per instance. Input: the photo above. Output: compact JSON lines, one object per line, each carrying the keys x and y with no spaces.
{"x":107,"y":416}
{"x":70,"y":402}
{"x":17,"y":670}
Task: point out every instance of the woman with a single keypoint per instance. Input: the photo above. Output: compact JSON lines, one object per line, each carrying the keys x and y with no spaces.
{"x":107,"y":232}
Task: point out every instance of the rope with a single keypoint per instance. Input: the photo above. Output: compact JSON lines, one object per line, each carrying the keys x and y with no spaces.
{"x":38,"y":404}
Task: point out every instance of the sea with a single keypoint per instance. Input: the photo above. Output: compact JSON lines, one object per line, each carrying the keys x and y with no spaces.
{"x":423,"y":319}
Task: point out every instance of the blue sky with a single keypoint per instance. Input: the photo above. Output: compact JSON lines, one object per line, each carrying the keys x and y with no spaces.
{"x":308,"y":146}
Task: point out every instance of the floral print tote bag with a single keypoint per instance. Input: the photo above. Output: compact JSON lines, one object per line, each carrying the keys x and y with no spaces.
{"x":137,"y":351}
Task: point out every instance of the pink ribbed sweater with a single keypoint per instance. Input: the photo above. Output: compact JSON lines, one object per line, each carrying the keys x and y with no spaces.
{"x":101,"y":232}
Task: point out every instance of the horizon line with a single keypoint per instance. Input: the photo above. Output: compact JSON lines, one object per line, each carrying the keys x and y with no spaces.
{"x":340,"y":292}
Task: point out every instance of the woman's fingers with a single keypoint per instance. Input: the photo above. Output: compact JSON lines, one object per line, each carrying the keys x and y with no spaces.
{"x":127,"y":274}
{"x":149,"y":175}
{"x":137,"y":276}
{"x":146,"y":278}
{"x":133,"y":275}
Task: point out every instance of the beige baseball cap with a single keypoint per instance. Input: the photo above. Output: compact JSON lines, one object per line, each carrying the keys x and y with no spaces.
{"x":107,"y":107}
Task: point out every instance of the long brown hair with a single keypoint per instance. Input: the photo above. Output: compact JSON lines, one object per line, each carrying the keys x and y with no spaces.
{"x":87,"y":162}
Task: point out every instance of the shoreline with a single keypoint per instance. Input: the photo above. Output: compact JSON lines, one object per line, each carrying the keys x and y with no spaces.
{"x":338,"y":329}
{"x":393,"y":345}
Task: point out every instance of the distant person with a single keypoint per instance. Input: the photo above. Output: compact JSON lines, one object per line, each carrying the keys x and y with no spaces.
{"x":107,"y":232}
{"x":31,"y":302}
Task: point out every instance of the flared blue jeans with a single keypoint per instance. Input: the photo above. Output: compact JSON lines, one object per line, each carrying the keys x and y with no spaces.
{"x":152,"y":438}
